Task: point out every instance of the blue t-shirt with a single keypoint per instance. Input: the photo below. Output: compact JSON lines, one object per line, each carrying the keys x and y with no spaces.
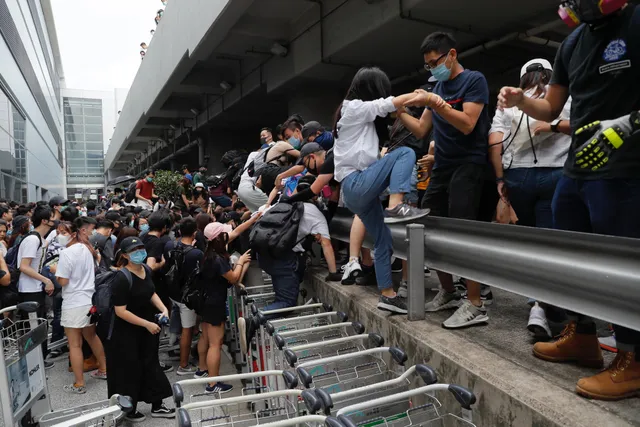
{"x":452,"y":146}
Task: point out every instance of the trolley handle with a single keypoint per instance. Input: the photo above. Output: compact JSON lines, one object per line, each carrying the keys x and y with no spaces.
{"x":178,"y":395}
{"x":376,"y":339}
{"x":428,"y":374}
{"x":342,"y":316}
{"x":398,"y":355}
{"x":279,"y":341}
{"x":125,"y":404}
{"x":268,"y":326}
{"x":358,"y":327}
{"x":327,"y":307}
{"x":290,"y":380}
{"x":27,"y":306}
{"x":325,"y":399}
{"x":333,"y":422}
{"x":183,"y":418}
{"x":344,"y":420}
{"x":311,"y":401}
{"x":291,"y":357}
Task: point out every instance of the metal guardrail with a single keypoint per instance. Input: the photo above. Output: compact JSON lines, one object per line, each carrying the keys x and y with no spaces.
{"x":588,"y":273}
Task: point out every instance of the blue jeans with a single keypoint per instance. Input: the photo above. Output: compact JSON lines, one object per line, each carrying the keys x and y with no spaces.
{"x":360,"y":191}
{"x":530,"y":192}
{"x":286,"y":274}
{"x":604,"y":206}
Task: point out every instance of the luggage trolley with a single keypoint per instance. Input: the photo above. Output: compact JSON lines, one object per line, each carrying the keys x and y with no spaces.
{"x":349,"y":371}
{"x":406,"y":409}
{"x":23,"y":386}
{"x":307,"y":421}
{"x":102,"y":414}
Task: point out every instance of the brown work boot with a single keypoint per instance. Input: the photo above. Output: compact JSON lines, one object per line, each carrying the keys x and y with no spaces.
{"x":571,"y":346}
{"x":620,"y":380}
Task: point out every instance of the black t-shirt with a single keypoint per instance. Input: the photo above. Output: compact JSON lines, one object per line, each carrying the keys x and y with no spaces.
{"x":211,"y":279}
{"x":453,"y":147}
{"x":601,"y":68}
{"x":155,"y":245}
{"x":328,"y":167}
{"x":136,"y":297}
{"x":192,"y":260}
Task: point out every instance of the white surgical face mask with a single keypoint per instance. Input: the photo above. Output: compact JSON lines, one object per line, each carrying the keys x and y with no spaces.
{"x":63,"y":240}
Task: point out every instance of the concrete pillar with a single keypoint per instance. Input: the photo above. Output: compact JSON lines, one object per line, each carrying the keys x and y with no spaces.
{"x":173,"y":165}
{"x":200,"y":152}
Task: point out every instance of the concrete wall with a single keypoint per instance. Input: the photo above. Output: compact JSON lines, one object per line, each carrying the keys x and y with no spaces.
{"x":44,"y":170}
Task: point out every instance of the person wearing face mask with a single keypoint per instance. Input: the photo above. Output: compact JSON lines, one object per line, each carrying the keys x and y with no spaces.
{"x":293,"y":133}
{"x":101,"y":240}
{"x":76,"y":274}
{"x":315,"y":132}
{"x":199,"y":197}
{"x":457,"y":113}
{"x":266,"y":137}
{"x":136,"y":372}
{"x":58,"y":205}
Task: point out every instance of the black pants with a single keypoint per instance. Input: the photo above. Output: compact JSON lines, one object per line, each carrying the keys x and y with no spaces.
{"x":455,"y":191}
{"x":38,"y":297}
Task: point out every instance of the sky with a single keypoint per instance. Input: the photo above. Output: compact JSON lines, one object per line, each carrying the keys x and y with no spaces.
{"x":100,"y":41}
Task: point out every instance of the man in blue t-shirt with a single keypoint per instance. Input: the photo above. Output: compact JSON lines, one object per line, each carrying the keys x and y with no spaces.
{"x":457,"y":113}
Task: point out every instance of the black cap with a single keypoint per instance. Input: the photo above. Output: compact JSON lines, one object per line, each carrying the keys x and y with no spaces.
{"x":232,"y":216}
{"x":19,"y":221}
{"x":310,"y":128}
{"x":58,"y":201}
{"x":131,"y":244}
{"x":309,"y":148}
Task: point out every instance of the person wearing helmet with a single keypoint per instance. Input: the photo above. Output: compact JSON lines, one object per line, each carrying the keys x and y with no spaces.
{"x":599,"y":192}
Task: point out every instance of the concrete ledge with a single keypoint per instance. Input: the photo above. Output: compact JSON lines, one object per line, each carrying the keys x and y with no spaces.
{"x":509,"y":392}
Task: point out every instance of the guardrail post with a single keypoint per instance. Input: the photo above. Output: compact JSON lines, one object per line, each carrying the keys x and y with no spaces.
{"x":415,"y":265}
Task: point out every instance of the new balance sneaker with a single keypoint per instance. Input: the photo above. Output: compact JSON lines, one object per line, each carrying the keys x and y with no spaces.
{"x":538,"y":324}
{"x":403,"y":289}
{"x":135,"y":417}
{"x":200,"y":374}
{"x":188,"y":370}
{"x":350,"y":272}
{"x":396,"y":304}
{"x":368,"y":276}
{"x":443,"y":301}
{"x":403,"y":213}
{"x":74,"y":389}
{"x":467,"y":315}
{"x":485,"y":295}
{"x":163,"y":412}
{"x":165,"y":368}
{"x":218,"y":387}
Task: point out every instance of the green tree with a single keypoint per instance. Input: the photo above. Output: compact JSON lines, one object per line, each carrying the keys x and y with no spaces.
{"x":166,"y":183}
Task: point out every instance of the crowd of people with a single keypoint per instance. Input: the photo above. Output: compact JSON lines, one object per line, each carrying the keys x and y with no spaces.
{"x":561,"y":151}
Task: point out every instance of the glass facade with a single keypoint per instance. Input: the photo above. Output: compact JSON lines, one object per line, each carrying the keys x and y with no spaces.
{"x":84,"y":141}
{"x":13,"y":154}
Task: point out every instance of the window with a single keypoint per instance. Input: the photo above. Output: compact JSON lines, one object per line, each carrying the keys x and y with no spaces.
{"x":93,"y":120}
{"x":94,"y":137}
{"x":75,"y":154}
{"x":94,"y":145}
{"x":93,"y":129}
{"x":93,"y":112}
{"x":95,"y":155}
{"x":79,"y":129}
{"x":75,"y":145}
{"x":95,"y":163}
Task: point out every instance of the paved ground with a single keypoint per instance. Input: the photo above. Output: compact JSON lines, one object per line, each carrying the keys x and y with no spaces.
{"x":97,"y":390}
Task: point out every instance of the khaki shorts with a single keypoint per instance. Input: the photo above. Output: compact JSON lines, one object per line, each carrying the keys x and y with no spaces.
{"x":187,"y":316}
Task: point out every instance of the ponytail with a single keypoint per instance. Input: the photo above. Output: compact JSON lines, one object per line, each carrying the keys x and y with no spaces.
{"x":78,"y":224}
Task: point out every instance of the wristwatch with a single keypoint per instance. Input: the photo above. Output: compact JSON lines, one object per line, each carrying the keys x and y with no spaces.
{"x":554,"y":128}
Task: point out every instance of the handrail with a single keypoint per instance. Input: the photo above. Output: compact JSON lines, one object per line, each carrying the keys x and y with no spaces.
{"x":591,"y":274}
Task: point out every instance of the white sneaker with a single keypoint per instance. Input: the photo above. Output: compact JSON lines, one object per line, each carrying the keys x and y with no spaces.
{"x":403,"y":290}
{"x":443,"y":301}
{"x":538,"y":324}
{"x":467,"y":315}
{"x":350,"y":272}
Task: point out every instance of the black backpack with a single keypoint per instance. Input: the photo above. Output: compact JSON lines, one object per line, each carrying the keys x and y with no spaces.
{"x":101,"y":298}
{"x":194,"y":293}
{"x":130,"y":195}
{"x":174,"y":278}
{"x":12,"y":259}
{"x":277,"y":231}
{"x":232,"y":157}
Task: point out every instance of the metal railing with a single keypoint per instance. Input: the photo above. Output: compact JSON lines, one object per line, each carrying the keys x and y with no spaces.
{"x":591,"y":274}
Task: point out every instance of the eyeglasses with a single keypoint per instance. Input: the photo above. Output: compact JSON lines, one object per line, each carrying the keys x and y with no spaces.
{"x":430,"y":67}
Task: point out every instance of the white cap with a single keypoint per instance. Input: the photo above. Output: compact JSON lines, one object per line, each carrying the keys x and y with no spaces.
{"x":545,"y":64}
{"x":199,"y":185}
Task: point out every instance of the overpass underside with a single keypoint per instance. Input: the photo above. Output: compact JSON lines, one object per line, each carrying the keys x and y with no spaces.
{"x":217,"y":71}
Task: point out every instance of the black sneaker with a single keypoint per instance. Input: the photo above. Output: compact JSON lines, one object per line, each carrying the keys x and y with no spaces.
{"x":367,"y":277}
{"x":396,"y":304}
{"x":163,"y":412}
{"x":136,"y":417}
{"x":166,"y":368}
{"x":396,"y":266}
{"x":403,"y":213}
{"x":48,"y":364}
{"x":219,"y":388}
{"x":54,"y":354}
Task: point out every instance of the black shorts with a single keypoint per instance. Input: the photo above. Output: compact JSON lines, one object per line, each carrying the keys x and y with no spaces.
{"x":456,"y":191}
{"x":214,"y":311}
